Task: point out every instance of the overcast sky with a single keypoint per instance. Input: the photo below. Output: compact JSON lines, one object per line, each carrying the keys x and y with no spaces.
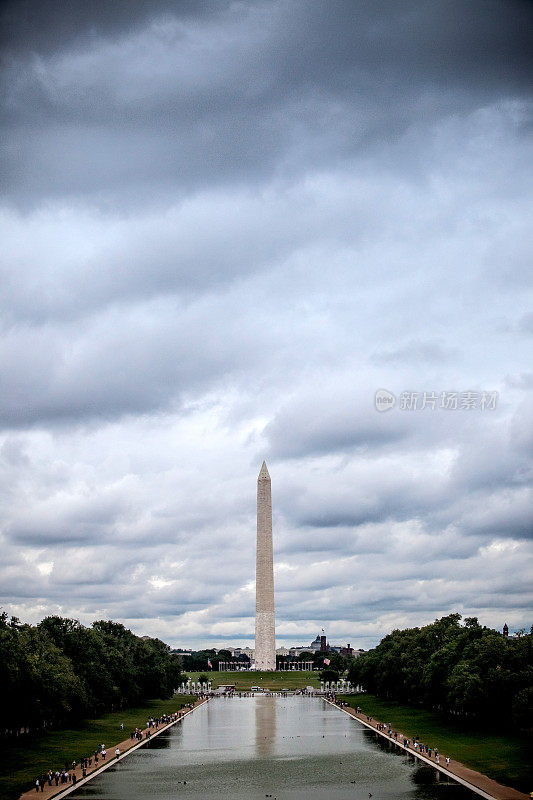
{"x":224,"y":227}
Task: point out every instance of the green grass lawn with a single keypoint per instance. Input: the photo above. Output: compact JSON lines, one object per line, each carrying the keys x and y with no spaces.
{"x":268,"y":680}
{"x":21,"y":762}
{"x":504,"y":757}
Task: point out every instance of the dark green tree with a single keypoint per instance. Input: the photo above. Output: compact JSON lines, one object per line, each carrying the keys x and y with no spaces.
{"x":329,"y":675}
{"x":453,"y":667}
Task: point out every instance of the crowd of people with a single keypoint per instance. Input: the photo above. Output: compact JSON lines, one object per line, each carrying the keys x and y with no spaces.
{"x":153,"y":724}
{"x":386,"y":729}
{"x":71,"y":773}
{"x":65,"y":775}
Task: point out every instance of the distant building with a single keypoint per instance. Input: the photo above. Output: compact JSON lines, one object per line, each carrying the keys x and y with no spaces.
{"x":238,"y":652}
{"x":321,"y":645}
{"x":296,"y":651}
{"x":318,"y":645}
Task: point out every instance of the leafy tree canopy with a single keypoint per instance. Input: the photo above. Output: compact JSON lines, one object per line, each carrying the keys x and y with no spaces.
{"x":456,"y":668}
{"x":60,"y":670}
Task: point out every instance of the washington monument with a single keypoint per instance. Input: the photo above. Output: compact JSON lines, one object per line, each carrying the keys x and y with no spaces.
{"x":265,"y":637}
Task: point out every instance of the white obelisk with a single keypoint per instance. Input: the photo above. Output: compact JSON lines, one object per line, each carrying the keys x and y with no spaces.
{"x":265,"y":636}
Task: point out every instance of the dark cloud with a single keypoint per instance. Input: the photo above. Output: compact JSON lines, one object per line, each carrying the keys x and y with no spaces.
{"x":318,"y":425}
{"x":237,"y":94}
{"x":53,"y":25}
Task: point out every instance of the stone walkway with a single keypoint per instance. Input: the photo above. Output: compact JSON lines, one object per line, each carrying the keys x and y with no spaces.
{"x":126,"y":748}
{"x":476,"y":781}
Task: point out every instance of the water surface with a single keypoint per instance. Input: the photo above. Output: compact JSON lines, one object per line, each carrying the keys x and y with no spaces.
{"x":291,"y":748}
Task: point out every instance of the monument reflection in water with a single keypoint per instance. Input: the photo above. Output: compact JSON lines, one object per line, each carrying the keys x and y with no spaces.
{"x":292,"y":748}
{"x":265,"y":726}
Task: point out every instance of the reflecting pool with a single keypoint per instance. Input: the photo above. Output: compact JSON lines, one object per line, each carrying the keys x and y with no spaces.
{"x":289,"y":748}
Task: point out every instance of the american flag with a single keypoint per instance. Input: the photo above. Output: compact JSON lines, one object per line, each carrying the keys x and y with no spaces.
{"x":209,"y":663}
{"x":327,"y":662}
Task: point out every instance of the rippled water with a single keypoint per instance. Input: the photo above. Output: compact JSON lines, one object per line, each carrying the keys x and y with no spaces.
{"x":291,"y":748}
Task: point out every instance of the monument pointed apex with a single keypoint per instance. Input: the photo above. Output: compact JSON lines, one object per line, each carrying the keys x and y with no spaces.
{"x":263,"y":473}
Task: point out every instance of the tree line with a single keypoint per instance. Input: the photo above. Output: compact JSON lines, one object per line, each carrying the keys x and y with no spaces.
{"x":199,"y":660}
{"x":462,"y":669}
{"x":60,"y":671}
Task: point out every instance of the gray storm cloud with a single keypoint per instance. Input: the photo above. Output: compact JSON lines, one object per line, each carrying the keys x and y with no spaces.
{"x":224,"y":227}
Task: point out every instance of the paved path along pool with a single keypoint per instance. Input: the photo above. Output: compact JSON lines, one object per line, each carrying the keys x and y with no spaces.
{"x":481,"y":784}
{"x":269,"y":747}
